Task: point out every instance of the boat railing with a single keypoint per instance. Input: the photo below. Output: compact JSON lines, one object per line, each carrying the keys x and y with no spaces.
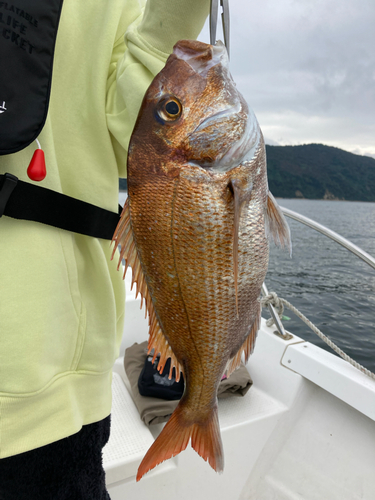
{"x":356,"y":250}
{"x":331,"y":234}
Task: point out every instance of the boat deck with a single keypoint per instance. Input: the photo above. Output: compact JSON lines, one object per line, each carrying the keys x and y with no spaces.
{"x":305,"y":430}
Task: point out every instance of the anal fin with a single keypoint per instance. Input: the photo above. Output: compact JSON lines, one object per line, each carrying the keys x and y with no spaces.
{"x":123,"y":238}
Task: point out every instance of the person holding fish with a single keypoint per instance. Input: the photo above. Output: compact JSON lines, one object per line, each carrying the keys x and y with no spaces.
{"x":61,"y":297}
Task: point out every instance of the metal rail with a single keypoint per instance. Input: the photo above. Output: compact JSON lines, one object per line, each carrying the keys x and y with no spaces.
{"x":330,"y":234}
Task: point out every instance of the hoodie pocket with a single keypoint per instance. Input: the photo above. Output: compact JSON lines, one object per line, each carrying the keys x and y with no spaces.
{"x":42,"y":319}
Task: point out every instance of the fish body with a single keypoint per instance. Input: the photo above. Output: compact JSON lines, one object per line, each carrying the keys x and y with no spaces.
{"x":195,"y":232}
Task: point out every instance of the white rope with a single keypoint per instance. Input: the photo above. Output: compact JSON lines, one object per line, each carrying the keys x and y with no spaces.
{"x":279,"y":304}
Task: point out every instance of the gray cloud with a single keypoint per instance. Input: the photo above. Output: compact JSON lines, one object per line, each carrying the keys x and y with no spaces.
{"x":307,"y":68}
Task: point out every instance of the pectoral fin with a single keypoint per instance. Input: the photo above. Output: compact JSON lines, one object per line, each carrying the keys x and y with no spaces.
{"x":123,"y":238}
{"x":241,"y":195}
{"x":276,"y":225}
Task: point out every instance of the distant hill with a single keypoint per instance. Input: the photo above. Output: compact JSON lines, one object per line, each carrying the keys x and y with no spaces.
{"x":316,"y":171}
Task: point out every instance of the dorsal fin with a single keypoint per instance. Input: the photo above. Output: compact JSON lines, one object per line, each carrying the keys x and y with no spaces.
{"x":276,"y":225}
{"x":241,"y":195}
{"x":123,"y":238}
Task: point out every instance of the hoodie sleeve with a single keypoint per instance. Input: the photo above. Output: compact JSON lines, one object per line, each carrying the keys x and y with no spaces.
{"x":139,"y":55}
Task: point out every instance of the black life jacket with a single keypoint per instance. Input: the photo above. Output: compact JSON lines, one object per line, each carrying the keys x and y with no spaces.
{"x":28,"y":33}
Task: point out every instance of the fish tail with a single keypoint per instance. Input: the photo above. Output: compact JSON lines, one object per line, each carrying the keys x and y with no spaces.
{"x":174,"y":438}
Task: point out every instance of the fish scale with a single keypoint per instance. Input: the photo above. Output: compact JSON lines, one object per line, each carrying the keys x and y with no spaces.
{"x":211,"y":306}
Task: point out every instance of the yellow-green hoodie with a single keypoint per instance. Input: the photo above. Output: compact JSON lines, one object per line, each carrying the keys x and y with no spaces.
{"x":61,"y":298}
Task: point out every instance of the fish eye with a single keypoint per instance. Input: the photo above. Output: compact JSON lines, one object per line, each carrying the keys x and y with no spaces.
{"x":169,"y":109}
{"x":172,"y":108}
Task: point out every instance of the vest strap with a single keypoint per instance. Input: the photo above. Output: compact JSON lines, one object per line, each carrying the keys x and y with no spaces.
{"x":22,"y":200}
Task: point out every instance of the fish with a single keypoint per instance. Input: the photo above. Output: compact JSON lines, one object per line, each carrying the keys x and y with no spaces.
{"x":195,"y":231}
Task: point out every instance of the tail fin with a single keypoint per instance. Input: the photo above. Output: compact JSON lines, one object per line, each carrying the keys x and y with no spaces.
{"x":174,"y":438}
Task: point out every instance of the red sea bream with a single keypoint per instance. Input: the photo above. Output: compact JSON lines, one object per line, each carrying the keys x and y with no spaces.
{"x":195,"y":232}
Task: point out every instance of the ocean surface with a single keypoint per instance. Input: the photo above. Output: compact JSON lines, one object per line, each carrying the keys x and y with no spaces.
{"x":326,"y":282}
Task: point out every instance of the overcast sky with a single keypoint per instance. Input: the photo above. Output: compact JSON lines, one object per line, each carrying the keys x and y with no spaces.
{"x":307,"y":68}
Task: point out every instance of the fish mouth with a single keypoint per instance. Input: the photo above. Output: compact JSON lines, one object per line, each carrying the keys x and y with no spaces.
{"x":200,"y":56}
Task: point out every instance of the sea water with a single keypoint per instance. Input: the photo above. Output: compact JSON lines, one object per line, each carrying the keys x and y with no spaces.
{"x":327,"y":283}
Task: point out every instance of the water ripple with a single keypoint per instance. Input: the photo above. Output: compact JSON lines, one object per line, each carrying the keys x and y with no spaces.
{"x":327,"y":283}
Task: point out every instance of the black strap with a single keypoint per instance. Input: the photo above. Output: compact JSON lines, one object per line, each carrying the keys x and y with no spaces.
{"x":22,"y":200}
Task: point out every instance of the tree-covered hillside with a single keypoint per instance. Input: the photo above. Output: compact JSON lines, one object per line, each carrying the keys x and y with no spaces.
{"x":316,"y":171}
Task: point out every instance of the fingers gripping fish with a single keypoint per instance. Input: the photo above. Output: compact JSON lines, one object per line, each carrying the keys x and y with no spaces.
{"x":195,"y":232}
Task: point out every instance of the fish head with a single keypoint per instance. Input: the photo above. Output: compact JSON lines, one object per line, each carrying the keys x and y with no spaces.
{"x":193,"y":114}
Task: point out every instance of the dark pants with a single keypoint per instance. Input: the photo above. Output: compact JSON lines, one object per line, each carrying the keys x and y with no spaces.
{"x":69,"y":469}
